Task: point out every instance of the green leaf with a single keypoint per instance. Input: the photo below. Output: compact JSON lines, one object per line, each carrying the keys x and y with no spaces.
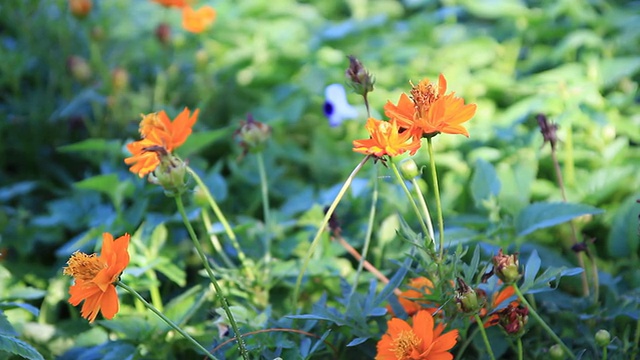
{"x":541,"y":215}
{"x":17,"y":189}
{"x":102,"y":183}
{"x":90,"y":145}
{"x":5,"y":326}
{"x":172,"y":271}
{"x":531,"y":269}
{"x":624,"y":237}
{"x":16,"y":346}
{"x":485,"y":182}
{"x":199,"y":140}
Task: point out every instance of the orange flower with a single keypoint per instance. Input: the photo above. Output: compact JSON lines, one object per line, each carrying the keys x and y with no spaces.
{"x":418,"y":342}
{"x":386,"y":140}
{"x":172,"y":3}
{"x":94,"y":277}
{"x":429,"y":111}
{"x":197,"y":21}
{"x":410,"y":299}
{"x":80,"y":8}
{"x":159,"y":136}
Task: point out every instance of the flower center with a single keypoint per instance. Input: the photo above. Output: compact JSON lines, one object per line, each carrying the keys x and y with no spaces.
{"x":384,"y":127}
{"x":150,"y":122}
{"x":83,"y":266}
{"x":404,"y":344}
{"x":424,"y":94}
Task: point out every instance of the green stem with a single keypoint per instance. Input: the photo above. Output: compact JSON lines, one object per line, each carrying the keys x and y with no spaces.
{"x":368,"y":235}
{"x":207,"y":266}
{"x":636,"y":341}
{"x":604,"y":352}
{"x":425,"y":231}
{"x":165,"y":319}
{"x":323,"y":225}
{"x":223,"y":220}
{"x":264,"y":189}
{"x":425,"y":209}
{"x":520,"y":351}
{"x":215,"y":242}
{"x":156,"y":298}
{"x":544,"y":325}
{"x":436,"y":189}
{"x":484,"y":336}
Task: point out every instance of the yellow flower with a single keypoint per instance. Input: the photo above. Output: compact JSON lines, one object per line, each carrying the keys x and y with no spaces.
{"x":95,"y":275}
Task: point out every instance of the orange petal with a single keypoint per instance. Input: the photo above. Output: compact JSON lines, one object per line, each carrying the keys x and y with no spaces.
{"x":109,"y":304}
{"x":423,"y":327}
{"x":445,"y":342}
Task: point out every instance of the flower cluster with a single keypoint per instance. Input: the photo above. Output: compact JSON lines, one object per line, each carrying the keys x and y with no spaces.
{"x":428,"y":112}
{"x":195,"y":21}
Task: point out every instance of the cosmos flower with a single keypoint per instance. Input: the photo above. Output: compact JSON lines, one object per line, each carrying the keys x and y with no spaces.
{"x":429,"y":111}
{"x":336,"y":107}
{"x":386,"y":139}
{"x":160,"y":137}
{"x":197,"y":21}
{"x":421,"y":341}
{"x":95,"y":277}
{"x":410,"y":299}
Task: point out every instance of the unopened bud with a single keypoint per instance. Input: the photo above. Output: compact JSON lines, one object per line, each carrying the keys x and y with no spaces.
{"x":409,"y":169}
{"x":79,"y":68}
{"x":200,"y":197}
{"x":80,"y":8}
{"x":163,"y":33}
{"x":119,"y":79}
{"x":252,"y":135}
{"x":97,"y":33}
{"x":506,"y":267}
{"x":466,"y":298}
{"x":556,"y":352}
{"x":358,"y":77}
{"x":603,"y":338}
{"x":170,"y":174}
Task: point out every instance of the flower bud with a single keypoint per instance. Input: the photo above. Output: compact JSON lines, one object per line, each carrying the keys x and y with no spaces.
{"x":556,"y":352}
{"x":409,"y":169}
{"x":466,"y":298}
{"x":97,"y":33}
{"x":603,"y":338}
{"x":163,"y":33}
{"x":513,"y":318}
{"x":80,"y":8}
{"x":252,"y":135}
{"x":119,"y":79}
{"x":358,"y":77}
{"x":200,"y":197}
{"x":79,"y":68}
{"x":506,"y":267}
{"x":170,"y":174}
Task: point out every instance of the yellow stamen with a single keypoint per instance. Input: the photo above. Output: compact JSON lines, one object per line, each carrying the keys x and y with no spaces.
{"x":404,"y":344}
{"x":83,"y":266}
{"x":424,"y":94}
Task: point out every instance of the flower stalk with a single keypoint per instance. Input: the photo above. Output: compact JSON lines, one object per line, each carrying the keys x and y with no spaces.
{"x":165,"y":319}
{"x":542,"y":323}
{"x":323,"y":225}
{"x":207,"y":266}
{"x":412,"y":201}
{"x":436,"y":189}
{"x":485,"y":338}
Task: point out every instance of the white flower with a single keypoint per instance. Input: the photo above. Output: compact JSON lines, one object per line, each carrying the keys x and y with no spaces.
{"x":336,"y":107}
